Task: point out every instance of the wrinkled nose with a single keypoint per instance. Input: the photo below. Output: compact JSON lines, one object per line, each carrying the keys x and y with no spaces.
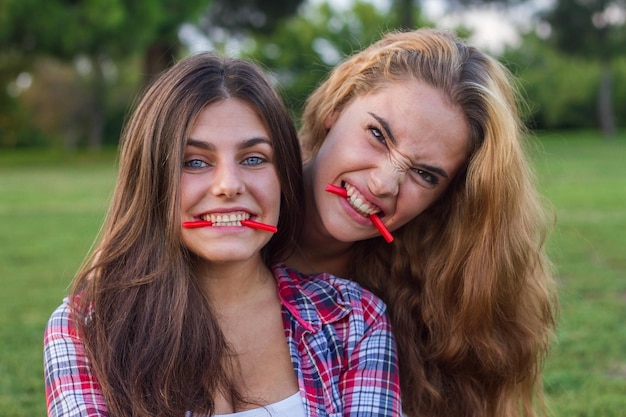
{"x":385,"y":179}
{"x":227,"y":181}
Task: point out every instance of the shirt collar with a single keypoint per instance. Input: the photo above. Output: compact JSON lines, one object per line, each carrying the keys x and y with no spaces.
{"x":311,"y":299}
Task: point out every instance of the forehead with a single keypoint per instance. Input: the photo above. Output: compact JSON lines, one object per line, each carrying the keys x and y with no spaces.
{"x":417,"y":114}
{"x":216,"y":111}
{"x":412,"y":102}
{"x":231,"y":118}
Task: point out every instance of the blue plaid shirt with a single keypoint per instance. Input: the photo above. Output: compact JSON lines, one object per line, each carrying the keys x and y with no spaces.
{"x":339,"y":338}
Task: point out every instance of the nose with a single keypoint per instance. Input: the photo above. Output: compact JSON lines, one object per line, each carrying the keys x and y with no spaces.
{"x":385,"y":179}
{"x":226,"y":180}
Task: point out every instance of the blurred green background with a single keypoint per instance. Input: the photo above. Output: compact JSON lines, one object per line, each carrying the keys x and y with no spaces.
{"x":70,"y":71}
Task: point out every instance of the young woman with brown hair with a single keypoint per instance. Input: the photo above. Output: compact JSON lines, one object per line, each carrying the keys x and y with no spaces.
{"x":184,"y":307}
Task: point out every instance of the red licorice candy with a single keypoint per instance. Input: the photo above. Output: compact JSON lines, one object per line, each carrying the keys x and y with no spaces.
{"x":378,"y":223}
{"x":248,"y":223}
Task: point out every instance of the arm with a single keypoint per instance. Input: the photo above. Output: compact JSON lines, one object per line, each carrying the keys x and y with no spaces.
{"x":370,"y":384}
{"x":71,"y":388}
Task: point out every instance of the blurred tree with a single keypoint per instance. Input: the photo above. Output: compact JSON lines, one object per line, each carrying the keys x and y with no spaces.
{"x":102,"y":32}
{"x":250,"y":15}
{"x":302,"y":49}
{"x":546,"y":76}
{"x":593,"y":29}
{"x":408,"y":10}
{"x":405,"y":9}
{"x":111,"y":28}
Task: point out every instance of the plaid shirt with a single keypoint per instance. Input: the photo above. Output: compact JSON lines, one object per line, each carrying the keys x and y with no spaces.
{"x":339,"y":339}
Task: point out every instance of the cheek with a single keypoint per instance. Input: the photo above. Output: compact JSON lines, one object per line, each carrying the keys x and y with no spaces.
{"x":413,"y":203}
{"x":338,"y":155}
{"x":186,"y":240}
{"x":273,"y":197}
{"x":416,"y":200}
{"x":185,"y":192}
{"x":336,"y":141}
{"x":322,"y":167}
{"x":269,"y":193}
{"x":189,"y":189}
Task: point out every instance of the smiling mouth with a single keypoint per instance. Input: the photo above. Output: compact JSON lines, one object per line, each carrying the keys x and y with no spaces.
{"x":226,"y":219}
{"x":358,"y":202}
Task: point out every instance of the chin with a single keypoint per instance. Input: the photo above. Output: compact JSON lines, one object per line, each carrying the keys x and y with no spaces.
{"x":228,"y":258}
{"x":342,"y":236}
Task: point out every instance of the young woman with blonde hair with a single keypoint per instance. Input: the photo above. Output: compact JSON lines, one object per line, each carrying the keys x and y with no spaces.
{"x":423,"y":131}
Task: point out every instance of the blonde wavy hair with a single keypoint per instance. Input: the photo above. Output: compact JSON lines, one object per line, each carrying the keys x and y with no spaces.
{"x":468,"y":285}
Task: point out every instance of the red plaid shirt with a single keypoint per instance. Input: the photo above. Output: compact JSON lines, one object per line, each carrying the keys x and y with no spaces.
{"x":339,"y":338}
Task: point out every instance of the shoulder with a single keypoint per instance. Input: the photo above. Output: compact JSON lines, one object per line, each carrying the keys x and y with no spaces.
{"x":72,"y":388}
{"x":60,"y":320}
{"x":61,"y":324}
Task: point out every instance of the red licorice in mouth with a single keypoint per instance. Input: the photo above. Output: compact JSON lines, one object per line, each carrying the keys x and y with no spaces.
{"x":340,"y":191}
{"x":376,"y":221}
{"x":260,"y":226}
{"x":248,"y":223}
{"x":196,"y":224}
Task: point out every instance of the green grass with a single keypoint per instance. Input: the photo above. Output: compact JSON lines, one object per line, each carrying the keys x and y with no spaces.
{"x":52,"y":204}
{"x":585,"y":179}
{"x":51,"y":207}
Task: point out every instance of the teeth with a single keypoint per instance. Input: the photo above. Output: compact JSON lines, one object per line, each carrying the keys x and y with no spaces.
{"x":226,"y":219}
{"x":359,"y":202}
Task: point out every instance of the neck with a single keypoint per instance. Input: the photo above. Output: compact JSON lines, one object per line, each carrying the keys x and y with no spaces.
{"x":236,"y":283}
{"x":318,"y":250}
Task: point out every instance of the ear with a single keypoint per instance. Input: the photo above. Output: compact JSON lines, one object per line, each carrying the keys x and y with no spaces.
{"x":330,"y":120}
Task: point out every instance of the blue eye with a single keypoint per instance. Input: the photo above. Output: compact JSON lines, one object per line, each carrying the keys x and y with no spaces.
{"x":253,"y":160}
{"x":195,"y":163}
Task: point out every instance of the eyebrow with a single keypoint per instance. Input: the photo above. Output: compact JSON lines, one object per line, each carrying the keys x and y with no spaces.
{"x":248,"y":143}
{"x":434,"y":169}
{"x":393,"y":140}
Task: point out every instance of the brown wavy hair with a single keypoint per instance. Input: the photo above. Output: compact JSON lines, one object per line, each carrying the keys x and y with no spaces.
{"x":150,"y":334}
{"x":467,"y":282}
